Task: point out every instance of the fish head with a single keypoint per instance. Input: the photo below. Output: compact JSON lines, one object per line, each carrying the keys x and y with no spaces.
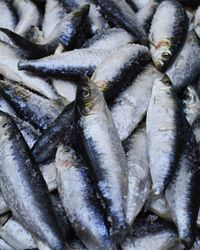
{"x":161,"y":54}
{"x":191,"y":104}
{"x":88,"y":96}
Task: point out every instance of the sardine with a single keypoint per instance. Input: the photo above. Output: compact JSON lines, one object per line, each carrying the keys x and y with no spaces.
{"x":167,"y":34}
{"x":191,"y":104}
{"x":37,"y":110}
{"x":28,"y":15}
{"x":95,"y":21}
{"x":120,"y":13}
{"x":73,"y":63}
{"x":119,"y":68}
{"x":185,"y":69}
{"x":145,"y":15}
{"x":4,"y":245}
{"x":61,"y":129}
{"x":49,"y":174}
{"x":16,"y":235}
{"x":104,"y":149}
{"x":109,"y":39}
{"x":9,"y":58}
{"x":164,"y":133}
{"x":86,"y":214}
{"x":24,"y":188}
{"x":63,"y":35}
{"x":8,"y":19}
{"x":148,"y":235}
{"x":130,"y":106}
{"x":55,"y":11}
{"x":137,"y":5}
{"x":183,"y":190}
{"x":139,"y":180}
{"x":197,"y":22}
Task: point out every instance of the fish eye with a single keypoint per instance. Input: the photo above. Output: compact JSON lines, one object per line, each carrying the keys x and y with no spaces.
{"x":166,"y":81}
{"x":85,"y":92}
{"x":166,"y":55}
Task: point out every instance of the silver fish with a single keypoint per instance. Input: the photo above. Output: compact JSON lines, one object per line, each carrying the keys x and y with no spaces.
{"x":130,"y":106}
{"x":164,"y":127}
{"x":197,"y":22}
{"x":105,"y":151}
{"x":139,"y":180}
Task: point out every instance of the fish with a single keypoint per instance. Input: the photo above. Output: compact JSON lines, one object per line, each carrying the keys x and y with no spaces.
{"x":120,"y":13}
{"x":35,"y":109}
{"x":145,"y":15}
{"x":191,"y":104}
{"x":130,"y":106}
{"x":4,"y":245}
{"x":16,"y":235}
{"x":63,"y":35}
{"x":164,"y":133}
{"x":70,"y":64}
{"x":49,"y":174}
{"x":137,"y":5}
{"x":103,"y":147}
{"x":139,"y":180}
{"x":86,"y":214}
{"x":28,"y":15}
{"x":165,"y":38}
{"x":185,"y":69}
{"x":183,"y":189}
{"x":9,"y":58}
{"x":119,"y":68}
{"x":95,"y":21}
{"x":8,"y":19}
{"x":22,"y":181}
{"x":109,"y":39}
{"x":197,"y":22}
{"x":148,"y":234}
{"x":54,"y":12}
{"x":62,"y":128}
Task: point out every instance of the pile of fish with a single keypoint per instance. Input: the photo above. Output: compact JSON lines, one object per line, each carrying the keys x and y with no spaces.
{"x":99,"y":124}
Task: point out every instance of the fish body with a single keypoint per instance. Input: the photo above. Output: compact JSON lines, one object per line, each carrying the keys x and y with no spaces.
{"x":139,"y":180}
{"x":164,"y":133}
{"x":120,"y":13}
{"x":103,"y":147}
{"x":130,"y":106}
{"x":24,"y":188}
{"x":86,"y":214}
{"x":197,"y":22}
{"x":185,"y":69}
{"x":183,"y":189}
{"x":167,"y":34}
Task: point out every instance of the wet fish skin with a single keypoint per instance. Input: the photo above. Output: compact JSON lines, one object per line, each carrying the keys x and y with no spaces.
{"x":167,"y":34}
{"x":120,"y":67}
{"x":61,"y":129}
{"x":130,"y":106}
{"x":37,"y":110}
{"x":22,"y":180}
{"x":95,"y":21}
{"x":71,"y":64}
{"x":191,"y":104}
{"x":63,"y":34}
{"x":8,"y":18}
{"x":109,"y":39}
{"x":185,"y":69}
{"x":183,"y":189}
{"x":28,"y":15}
{"x":16,"y":235}
{"x":86,"y":214}
{"x":197,"y":22}
{"x":164,"y":133}
{"x":145,"y":15}
{"x":105,"y":152}
{"x":137,"y":5}
{"x":54,"y":12}
{"x":148,"y":234}
{"x":122,"y":15}
{"x":9,"y":58}
{"x":139,"y":180}
{"x":4,"y":245}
